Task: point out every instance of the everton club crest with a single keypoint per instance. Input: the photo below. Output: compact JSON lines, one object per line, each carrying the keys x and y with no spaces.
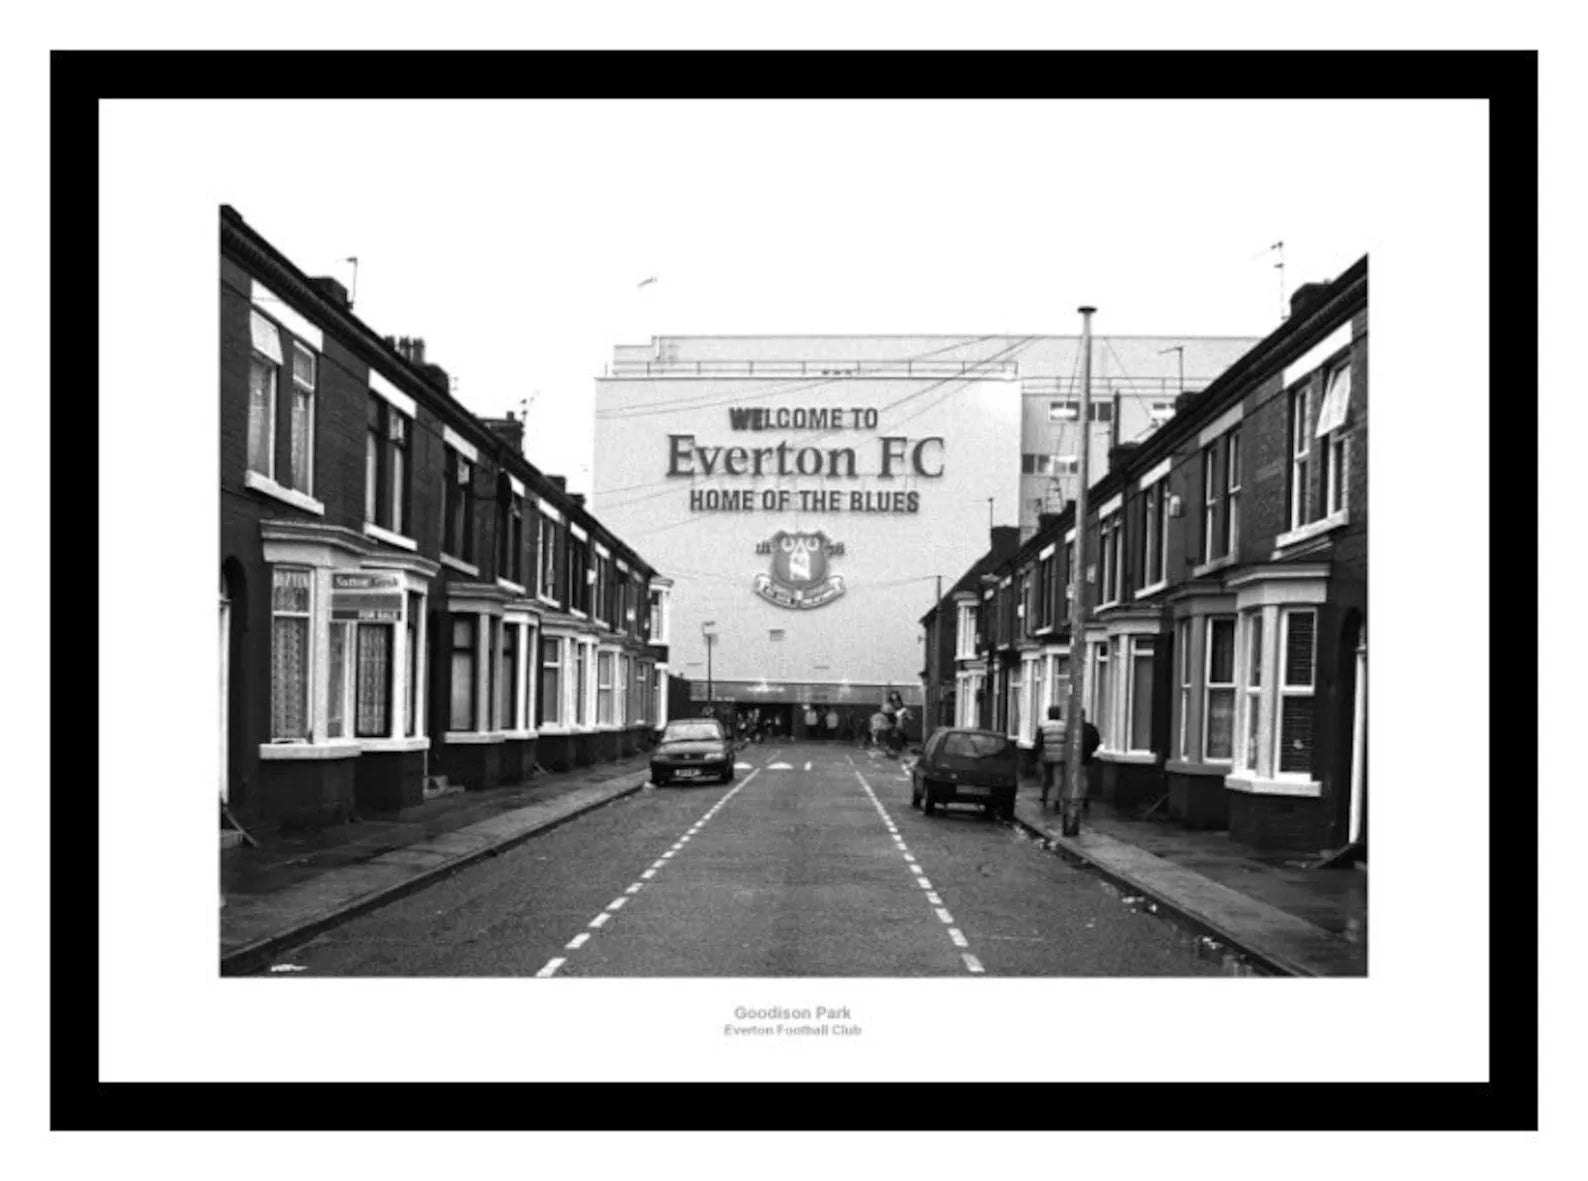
{"x":799,"y":577}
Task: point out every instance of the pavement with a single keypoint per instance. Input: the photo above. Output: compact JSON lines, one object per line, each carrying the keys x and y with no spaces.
{"x":1287,"y":919}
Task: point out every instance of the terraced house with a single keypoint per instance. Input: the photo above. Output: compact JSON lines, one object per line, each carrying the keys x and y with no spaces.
{"x":1226,"y":585}
{"x":406,"y":603}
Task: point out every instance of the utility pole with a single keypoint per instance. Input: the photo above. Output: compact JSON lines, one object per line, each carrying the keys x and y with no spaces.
{"x":1074,"y":790}
{"x":711,"y":696}
{"x":937,"y":660}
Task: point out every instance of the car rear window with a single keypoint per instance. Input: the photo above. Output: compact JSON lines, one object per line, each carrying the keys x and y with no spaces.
{"x":691,"y":732}
{"x":975,"y":746}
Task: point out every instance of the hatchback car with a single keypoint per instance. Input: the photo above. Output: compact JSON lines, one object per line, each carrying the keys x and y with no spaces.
{"x":692,"y":748}
{"x":966,"y":767}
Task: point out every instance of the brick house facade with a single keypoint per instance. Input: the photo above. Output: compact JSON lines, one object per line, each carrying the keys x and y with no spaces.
{"x":1225,"y":643}
{"x":405,"y":601}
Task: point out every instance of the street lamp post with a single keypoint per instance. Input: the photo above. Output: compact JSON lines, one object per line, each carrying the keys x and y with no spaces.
{"x":1074,"y":767}
{"x":710,"y":637}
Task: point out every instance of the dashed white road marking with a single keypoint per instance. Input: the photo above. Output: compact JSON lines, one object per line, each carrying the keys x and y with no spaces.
{"x":955,"y":935}
{"x":616,"y":904}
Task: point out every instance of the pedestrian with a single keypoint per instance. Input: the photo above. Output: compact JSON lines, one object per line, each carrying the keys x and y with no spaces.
{"x":881,"y":721}
{"x":832,"y":723}
{"x":901,"y":716}
{"x":1090,"y":741}
{"x":1051,"y":734}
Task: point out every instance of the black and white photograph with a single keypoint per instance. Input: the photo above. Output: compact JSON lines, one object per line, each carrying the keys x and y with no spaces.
{"x":730,"y":579}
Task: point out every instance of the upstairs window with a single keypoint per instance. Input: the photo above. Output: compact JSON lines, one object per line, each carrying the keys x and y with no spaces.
{"x":1064,"y":411}
{"x":1300,"y":455}
{"x":386,"y":468}
{"x":1108,"y":558}
{"x":1210,"y":500}
{"x":509,"y":532}
{"x":300,"y":430}
{"x":551,"y":559}
{"x":1154,"y":554}
{"x":458,"y":507}
{"x":1232,"y":493}
{"x":1330,"y":434}
{"x":264,"y":369}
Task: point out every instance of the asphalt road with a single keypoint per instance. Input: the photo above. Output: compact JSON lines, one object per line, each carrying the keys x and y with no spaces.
{"x":811,"y":863}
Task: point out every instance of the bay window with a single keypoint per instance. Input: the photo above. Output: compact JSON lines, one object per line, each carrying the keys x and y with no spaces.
{"x":291,"y":602}
{"x":1101,"y":689}
{"x":464,"y":664}
{"x":1218,"y":713}
{"x":604,"y":661}
{"x":1252,"y":699}
{"x":373,"y":684}
{"x":1183,"y":658}
{"x":1139,"y":705}
{"x":581,"y":673}
{"x":508,"y":697}
{"x":338,"y":682}
{"x":414,"y":636}
{"x":1293,"y":734}
{"x":551,"y":680}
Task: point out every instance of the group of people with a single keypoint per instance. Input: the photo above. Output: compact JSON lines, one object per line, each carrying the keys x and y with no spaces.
{"x":887,"y":728}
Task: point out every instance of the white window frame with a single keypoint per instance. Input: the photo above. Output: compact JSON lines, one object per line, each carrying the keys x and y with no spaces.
{"x":1184,"y":632}
{"x":1251,"y":651}
{"x":606,"y":663}
{"x":271,"y":363}
{"x":306,"y":390}
{"x":1232,"y":492}
{"x":1134,"y":653}
{"x":1209,"y":499}
{"x":1300,"y":452}
{"x":1284,"y":691}
{"x":1209,"y":685}
{"x":310,"y":661}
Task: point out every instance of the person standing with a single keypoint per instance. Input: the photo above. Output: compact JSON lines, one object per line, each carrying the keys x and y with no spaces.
{"x":1090,"y":741}
{"x":1051,"y":753}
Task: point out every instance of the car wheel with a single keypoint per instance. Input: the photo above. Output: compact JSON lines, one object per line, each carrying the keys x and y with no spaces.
{"x":927,"y":805}
{"x":658,"y":779}
{"x":915,"y":796}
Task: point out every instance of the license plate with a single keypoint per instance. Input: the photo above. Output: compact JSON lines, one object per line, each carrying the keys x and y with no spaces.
{"x":687,"y":772}
{"x":964,"y":790}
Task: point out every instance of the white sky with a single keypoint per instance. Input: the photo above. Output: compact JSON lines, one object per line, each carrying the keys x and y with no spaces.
{"x":513,"y":236}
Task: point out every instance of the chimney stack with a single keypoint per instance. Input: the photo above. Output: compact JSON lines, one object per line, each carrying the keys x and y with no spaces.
{"x":1305,"y":296}
{"x":1120,"y":454}
{"x":331,"y":289}
{"x":510,"y":430}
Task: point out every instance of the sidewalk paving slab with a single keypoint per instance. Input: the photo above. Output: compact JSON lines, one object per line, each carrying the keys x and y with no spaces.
{"x":1253,"y":908}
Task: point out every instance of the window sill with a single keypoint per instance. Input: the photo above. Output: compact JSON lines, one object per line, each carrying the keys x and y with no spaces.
{"x":508,"y":584}
{"x":1141,"y":758}
{"x":1258,"y":786}
{"x":1187,"y":767}
{"x":1160,"y":585}
{"x":576,"y":613}
{"x":373,"y":530}
{"x":554,"y":729}
{"x":520,"y":735}
{"x":549,"y":601}
{"x":1214,"y":566}
{"x":419,"y":742}
{"x":296,"y":751}
{"x":299,"y":500}
{"x":1314,"y":529}
{"x":460,"y":565}
{"x":473,"y":737}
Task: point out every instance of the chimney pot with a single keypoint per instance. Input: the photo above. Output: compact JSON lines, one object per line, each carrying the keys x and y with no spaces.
{"x":331,"y":289}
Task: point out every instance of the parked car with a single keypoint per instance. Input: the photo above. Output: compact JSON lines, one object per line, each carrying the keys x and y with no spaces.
{"x":692,"y":748}
{"x":966,"y":767}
